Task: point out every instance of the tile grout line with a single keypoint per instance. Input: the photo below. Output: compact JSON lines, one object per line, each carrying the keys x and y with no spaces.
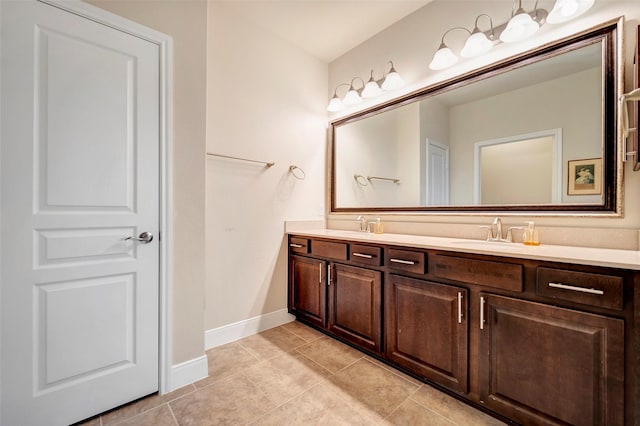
{"x":175,"y":419}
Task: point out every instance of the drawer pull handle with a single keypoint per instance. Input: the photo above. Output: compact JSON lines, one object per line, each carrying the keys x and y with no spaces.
{"x":574,"y":288}
{"x":366,"y":256}
{"x":404,"y":262}
{"x":482,"y":302}
{"x":329,"y":274}
{"x":459,"y":307}
{"x":296,"y":245}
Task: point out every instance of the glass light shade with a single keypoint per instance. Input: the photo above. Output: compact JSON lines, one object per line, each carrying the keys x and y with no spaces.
{"x":335,"y":104}
{"x":392,"y":81}
{"x":565,"y":10}
{"x":521,"y":26}
{"x":443,"y":58}
{"x":371,"y":90}
{"x":352,"y":97}
{"x":476,"y":45}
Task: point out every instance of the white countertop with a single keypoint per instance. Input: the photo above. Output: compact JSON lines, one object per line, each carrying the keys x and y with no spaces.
{"x":626,"y":259}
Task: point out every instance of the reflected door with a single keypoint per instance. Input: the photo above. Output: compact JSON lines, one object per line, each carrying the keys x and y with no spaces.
{"x":80,"y":155}
{"x":437,"y":174}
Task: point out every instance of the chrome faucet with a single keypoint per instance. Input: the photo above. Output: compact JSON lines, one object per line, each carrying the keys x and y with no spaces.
{"x":363,"y":223}
{"x":497,"y":223}
{"x":494,"y":232}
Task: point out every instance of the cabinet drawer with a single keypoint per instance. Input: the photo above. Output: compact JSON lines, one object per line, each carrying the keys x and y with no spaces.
{"x":581,"y":287}
{"x":365,"y":254}
{"x":406,"y":260}
{"x":507,"y":276}
{"x":299,"y":245}
{"x":329,"y":249}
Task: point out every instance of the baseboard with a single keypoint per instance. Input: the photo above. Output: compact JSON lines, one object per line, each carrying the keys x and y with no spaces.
{"x":189,"y":372}
{"x":232,"y":332}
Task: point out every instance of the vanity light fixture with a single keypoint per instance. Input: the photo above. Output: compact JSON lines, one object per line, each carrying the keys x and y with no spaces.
{"x":444,"y":56}
{"x":520,"y":26}
{"x":373,"y":88}
{"x":565,"y":10}
{"x":478,"y":42}
{"x":353,"y":97}
{"x":392,"y":81}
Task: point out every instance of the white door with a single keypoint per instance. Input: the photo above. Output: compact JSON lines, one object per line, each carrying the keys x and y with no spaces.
{"x":79,"y":174}
{"x":438,"y":174}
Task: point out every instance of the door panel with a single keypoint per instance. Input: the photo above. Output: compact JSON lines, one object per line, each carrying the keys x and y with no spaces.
{"x":427,"y":329}
{"x":355,"y":305}
{"x":537,"y":359}
{"x":308,"y":289}
{"x":79,"y":174}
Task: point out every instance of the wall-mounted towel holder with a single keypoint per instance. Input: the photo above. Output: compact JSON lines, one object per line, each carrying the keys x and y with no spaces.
{"x":299,"y":174}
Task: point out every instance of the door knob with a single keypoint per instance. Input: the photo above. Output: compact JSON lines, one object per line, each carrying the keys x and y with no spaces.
{"x":144,"y":238}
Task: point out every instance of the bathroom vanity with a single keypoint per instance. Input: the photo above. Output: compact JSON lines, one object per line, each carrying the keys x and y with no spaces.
{"x":536,"y":335}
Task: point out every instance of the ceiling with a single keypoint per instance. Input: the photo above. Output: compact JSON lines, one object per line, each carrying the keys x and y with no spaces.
{"x":327,"y":29}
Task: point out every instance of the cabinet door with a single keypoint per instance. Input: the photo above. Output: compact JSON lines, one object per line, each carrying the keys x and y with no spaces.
{"x":308,"y":296}
{"x":541,"y":364}
{"x":355,"y":305}
{"x":427,"y":330}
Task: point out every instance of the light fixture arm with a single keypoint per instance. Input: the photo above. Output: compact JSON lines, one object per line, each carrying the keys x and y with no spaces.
{"x":442,"y":43}
{"x":476,"y":29}
{"x":354,"y":79}
{"x":335,"y":91}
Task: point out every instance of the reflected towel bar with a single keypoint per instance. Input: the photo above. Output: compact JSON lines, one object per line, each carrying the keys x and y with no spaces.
{"x":383,"y":178}
{"x":267,"y":164}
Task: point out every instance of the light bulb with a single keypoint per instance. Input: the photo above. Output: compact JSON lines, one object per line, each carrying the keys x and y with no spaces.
{"x":476,"y":45}
{"x":335,"y":104}
{"x":443,"y":58}
{"x":352,"y":97}
{"x":393,"y":80}
{"x":565,"y":10}
{"x":371,"y":90}
{"x":520,"y":27}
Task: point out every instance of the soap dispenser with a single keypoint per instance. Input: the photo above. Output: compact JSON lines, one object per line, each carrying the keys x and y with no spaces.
{"x":530,"y":235}
{"x":377,"y":228}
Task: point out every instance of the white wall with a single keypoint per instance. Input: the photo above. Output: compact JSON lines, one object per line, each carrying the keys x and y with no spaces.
{"x":265,"y":101}
{"x":410,"y":43}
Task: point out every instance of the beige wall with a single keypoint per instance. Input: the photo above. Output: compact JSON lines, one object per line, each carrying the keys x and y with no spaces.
{"x":265,"y":101}
{"x":524,"y":111}
{"x":410,"y":43}
{"x":185,"y":22}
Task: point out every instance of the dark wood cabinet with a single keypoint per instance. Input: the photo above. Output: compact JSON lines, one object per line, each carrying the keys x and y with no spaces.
{"x":307,"y":289}
{"x":342,"y":299}
{"x":427,"y":330}
{"x":355,"y":305}
{"x":541,"y":364}
{"x":537,"y":342}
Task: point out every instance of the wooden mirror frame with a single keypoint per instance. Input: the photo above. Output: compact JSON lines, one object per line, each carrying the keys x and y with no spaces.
{"x":635,"y":110}
{"x":611,"y":34}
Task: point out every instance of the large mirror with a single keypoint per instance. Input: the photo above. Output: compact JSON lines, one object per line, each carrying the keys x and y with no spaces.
{"x":533,"y":133}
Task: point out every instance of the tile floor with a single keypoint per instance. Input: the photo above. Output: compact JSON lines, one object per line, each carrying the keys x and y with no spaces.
{"x":294,"y":375}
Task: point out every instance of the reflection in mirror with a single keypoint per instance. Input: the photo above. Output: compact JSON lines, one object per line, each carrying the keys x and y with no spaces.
{"x":496,"y":142}
{"x":523,"y":169}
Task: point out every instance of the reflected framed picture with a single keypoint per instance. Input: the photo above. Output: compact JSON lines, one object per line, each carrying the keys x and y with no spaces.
{"x":585,"y":177}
